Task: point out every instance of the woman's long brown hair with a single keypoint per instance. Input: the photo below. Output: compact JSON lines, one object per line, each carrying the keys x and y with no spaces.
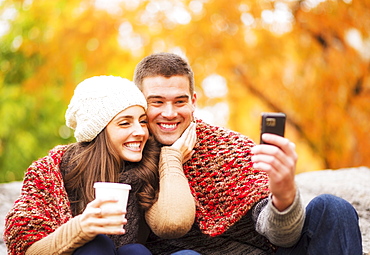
{"x":97,"y":161}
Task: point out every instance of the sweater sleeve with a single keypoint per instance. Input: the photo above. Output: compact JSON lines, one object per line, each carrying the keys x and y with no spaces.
{"x":173,"y":214}
{"x":41,"y":209}
{"x":282,"y":228}
{"x":64,"y":240}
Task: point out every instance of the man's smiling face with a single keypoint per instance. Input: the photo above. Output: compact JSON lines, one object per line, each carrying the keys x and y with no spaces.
{"x":170,"y":106}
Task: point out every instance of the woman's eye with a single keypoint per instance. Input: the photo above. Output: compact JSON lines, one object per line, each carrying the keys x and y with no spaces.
{"x":124,"y":124}
{"x":144,"y":122}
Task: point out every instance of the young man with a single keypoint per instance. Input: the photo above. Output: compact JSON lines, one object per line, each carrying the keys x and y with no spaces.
{"x":246,"y":198}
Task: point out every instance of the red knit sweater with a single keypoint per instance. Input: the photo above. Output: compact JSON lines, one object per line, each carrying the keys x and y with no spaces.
{"x":42,"y":207}
{"x":222,"y":179}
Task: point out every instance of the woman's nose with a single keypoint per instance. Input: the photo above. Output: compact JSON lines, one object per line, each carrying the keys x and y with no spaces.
{"x":139,"y":130}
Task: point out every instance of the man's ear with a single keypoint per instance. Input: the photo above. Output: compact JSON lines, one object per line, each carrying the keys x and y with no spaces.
{"x":194,"y":100}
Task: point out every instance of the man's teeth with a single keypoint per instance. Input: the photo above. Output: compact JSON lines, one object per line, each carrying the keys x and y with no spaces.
{"x":133,"y":145}
{"x":168,"y":125}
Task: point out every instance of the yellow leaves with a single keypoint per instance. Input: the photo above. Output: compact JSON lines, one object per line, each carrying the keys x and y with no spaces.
{"x":311,"y":70}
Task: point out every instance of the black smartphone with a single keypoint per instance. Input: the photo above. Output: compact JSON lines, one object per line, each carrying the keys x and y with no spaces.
{"x":273,"y":123}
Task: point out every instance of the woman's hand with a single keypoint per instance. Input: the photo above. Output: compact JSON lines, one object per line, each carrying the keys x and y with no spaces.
{"x":186,"y":142}
{"x":93,"y":220}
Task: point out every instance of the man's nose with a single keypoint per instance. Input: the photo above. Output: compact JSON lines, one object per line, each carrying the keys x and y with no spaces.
{"x":169,"y":111}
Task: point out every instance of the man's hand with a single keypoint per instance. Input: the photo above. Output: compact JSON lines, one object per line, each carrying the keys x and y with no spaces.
{"x":278,"y":159}
{"x":186,"y":142}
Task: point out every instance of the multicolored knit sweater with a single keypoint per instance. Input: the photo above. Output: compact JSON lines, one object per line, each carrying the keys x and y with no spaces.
{"x":43,"y":197}
{"x":222,"y":178}
{"x":41,"y":221}
{"x":43,"y":207}
{"x":229,"y":194}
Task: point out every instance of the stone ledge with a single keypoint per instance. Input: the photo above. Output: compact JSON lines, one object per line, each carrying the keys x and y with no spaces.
{"x":351,"y":184}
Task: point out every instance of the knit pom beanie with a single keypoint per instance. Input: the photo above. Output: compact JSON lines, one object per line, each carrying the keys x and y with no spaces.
{"x":96,"y":101}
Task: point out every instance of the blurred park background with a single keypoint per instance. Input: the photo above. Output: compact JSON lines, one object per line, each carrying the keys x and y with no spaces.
{"x":307,"y":58}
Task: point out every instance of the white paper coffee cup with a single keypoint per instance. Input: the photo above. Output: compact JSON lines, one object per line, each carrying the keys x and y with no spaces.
{"x":112,"y":191}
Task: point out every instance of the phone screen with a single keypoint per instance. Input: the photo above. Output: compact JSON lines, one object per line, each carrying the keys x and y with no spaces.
{"x":273,"y":123}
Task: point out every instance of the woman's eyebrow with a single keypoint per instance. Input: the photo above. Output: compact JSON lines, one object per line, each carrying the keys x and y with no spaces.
{"x":130,"y":116}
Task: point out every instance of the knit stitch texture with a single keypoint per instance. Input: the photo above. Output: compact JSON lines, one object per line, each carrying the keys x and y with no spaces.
{"x":222,"y":179}
{"x":44,"y":206}
{"x":96,"y":101}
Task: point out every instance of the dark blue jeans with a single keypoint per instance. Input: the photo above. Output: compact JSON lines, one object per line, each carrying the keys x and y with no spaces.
{"x":331,"y":227}
{"x":102,"y":244}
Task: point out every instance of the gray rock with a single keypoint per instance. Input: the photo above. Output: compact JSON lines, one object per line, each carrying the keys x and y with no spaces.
{"x":8,"y":194}
{"x":352,"y":184}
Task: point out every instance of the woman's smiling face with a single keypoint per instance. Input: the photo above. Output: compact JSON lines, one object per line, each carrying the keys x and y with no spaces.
{"x":128,"y":133}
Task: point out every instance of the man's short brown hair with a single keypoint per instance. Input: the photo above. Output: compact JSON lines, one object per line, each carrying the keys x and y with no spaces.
{"x":163,"y":64}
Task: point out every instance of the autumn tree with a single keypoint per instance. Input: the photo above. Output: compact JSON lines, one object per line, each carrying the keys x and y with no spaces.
{"x":309,"y":59}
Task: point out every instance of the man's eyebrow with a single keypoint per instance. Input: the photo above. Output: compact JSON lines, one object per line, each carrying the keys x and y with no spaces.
{"x":161,"y":97}
{"x":183,"y":96}
{"x":154,"y":96}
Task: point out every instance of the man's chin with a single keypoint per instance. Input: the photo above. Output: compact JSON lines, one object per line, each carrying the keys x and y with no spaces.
{"x":165,"y":140}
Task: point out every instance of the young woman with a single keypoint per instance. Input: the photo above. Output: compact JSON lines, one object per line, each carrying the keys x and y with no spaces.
{"x":57,"y":212}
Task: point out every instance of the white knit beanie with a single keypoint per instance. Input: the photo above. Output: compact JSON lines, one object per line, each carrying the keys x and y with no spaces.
{"x":96,"y":101}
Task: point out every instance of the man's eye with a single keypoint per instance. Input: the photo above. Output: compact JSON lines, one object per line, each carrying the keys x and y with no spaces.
{"x":155,"y":102}
{"x":144,"y":122}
